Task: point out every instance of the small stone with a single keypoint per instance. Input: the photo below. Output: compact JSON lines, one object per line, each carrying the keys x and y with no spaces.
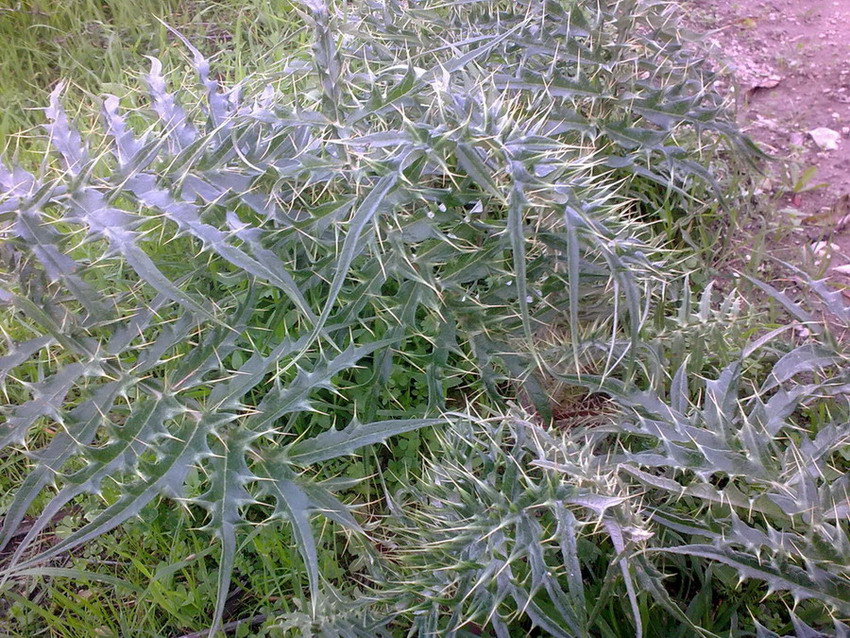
{"x":824,"y":248}
{"x":825,"y":138}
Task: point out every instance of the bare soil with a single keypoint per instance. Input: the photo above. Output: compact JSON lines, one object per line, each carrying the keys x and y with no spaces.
{"x":788,"y":64}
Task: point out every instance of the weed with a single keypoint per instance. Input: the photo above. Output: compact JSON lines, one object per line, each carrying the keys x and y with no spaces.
{"x":241,"y":290}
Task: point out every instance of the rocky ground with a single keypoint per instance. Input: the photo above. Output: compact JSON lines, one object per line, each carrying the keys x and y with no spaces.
{"x":789,"y":69}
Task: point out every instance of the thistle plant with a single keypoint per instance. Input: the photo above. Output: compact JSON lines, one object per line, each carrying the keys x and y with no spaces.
{"x":182,"y":304}
{"x":579,"y":532}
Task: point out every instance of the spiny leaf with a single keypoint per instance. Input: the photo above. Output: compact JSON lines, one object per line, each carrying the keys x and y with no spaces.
{"x":335,"y":443}
{"x":229,"y":473}
{"x":62,"y":136}
{"x":126,"y":146}
{"x":81,"y":425}
{"x":178,"y":131}
{"x":796,"y":580}
{"x":360,"y":218}
{"x":128,"y":442}
{"x":167,"y":477}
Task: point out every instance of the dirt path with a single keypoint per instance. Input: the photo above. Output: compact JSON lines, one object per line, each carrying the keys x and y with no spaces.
{"x":791,"y":66}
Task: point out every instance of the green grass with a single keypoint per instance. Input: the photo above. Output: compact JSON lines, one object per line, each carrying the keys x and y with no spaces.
{"x":99,"y":46}
{"x":155,"y":578}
